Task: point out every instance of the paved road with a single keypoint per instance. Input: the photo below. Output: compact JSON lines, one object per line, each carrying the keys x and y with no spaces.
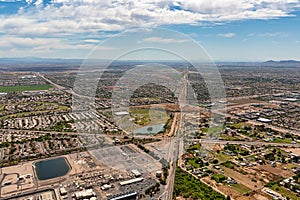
{"x":70,"y":91}
{"x":170,"y":181}
{"x":51,"y":82}
{"x":178,"y":151}
{"x":161,"y":138}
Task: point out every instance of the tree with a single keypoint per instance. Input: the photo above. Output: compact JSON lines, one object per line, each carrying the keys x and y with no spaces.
{"x":215,"y":161}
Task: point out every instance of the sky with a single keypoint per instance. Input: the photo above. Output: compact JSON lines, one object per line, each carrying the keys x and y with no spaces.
{"x":228,"y":30}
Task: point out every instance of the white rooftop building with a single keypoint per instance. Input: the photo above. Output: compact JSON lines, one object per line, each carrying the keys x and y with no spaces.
{"x":264,"y":120}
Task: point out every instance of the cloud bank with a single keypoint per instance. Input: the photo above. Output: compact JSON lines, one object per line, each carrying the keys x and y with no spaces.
{"x":62,"y":19}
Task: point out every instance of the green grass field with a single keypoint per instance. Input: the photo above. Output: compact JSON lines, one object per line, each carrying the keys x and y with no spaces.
{"x":223,"y":157}
{"x":240,"y":188}
{"x":286,"y":140}
{"x":149,"y":117}
{"x":20,"y":88}
{"x":229,"y":164}
{"x":193,"y":162}
{"x":238,"y":125}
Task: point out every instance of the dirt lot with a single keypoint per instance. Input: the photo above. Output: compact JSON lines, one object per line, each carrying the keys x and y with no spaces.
{"x":12,"y":173}
{"x":261,"y":196}
{"x":277,"y":171}
{"x":242,"y":179}
{"x":226,"y":190}
{"x":174,"y":125}
{"x":229,"y":191}
{"x":168,"y":107}
{"x":243,"y":101}
{"x":293,"y":150}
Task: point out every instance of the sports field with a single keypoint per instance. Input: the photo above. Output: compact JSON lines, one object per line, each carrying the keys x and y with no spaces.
{"x":20,"y":88}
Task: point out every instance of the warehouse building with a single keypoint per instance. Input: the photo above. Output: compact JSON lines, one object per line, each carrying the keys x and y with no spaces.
{"x":128,"y":182}
{"x":124,"y":196}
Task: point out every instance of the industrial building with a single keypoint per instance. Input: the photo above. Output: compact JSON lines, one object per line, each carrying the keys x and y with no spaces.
{"x":128,"y":182}
{"x":62,"y":191}
{"x":124,"y":196}
{"x":105,"y":187}
{"x":264,"y":120}
{"x":84,"y":194}
{"x":136,"y":173}
{"x":46,"y":196}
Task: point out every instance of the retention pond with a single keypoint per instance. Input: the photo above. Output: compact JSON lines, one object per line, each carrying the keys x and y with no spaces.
{"x":52,"y":168}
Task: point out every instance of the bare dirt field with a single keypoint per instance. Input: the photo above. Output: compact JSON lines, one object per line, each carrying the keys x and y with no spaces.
{"x":161,"y":148}
{"x":293,"y":150}
{"x":174,"y":125}
{"x":242,"y":179}
{"x":229,"y":191}
{"x":262,"y":196}
{"x":168,"y":107}
{"x":243,"y":101}
{"x":11,"y":174}
{"x":277,"y":171}
{"x":246,"y":198}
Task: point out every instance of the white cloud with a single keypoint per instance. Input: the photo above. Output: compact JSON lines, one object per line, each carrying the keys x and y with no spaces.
{"x":106,"y":15}
{"x":270,"y":34}
{"x":163,"y":40}
{"x":227,"y":35}
{"x":38,"y":2}
{"x":22,"y":42}
{"x":273,"y":34}
{"x":10,"y":0}
{"x":43,"y":47}
{"x":87,"y":18}
{"x":92,"y":41}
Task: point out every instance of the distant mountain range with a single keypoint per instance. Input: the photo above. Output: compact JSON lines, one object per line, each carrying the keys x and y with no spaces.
{"x":283,"y":63}
{"x":59,"y":64}
{"x":269,"y":63}
{"x":34,"y":60}
{"x":62,"y":60}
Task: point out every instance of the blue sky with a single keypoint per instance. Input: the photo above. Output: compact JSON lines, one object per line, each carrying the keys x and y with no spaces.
{"x":229,"y":30}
